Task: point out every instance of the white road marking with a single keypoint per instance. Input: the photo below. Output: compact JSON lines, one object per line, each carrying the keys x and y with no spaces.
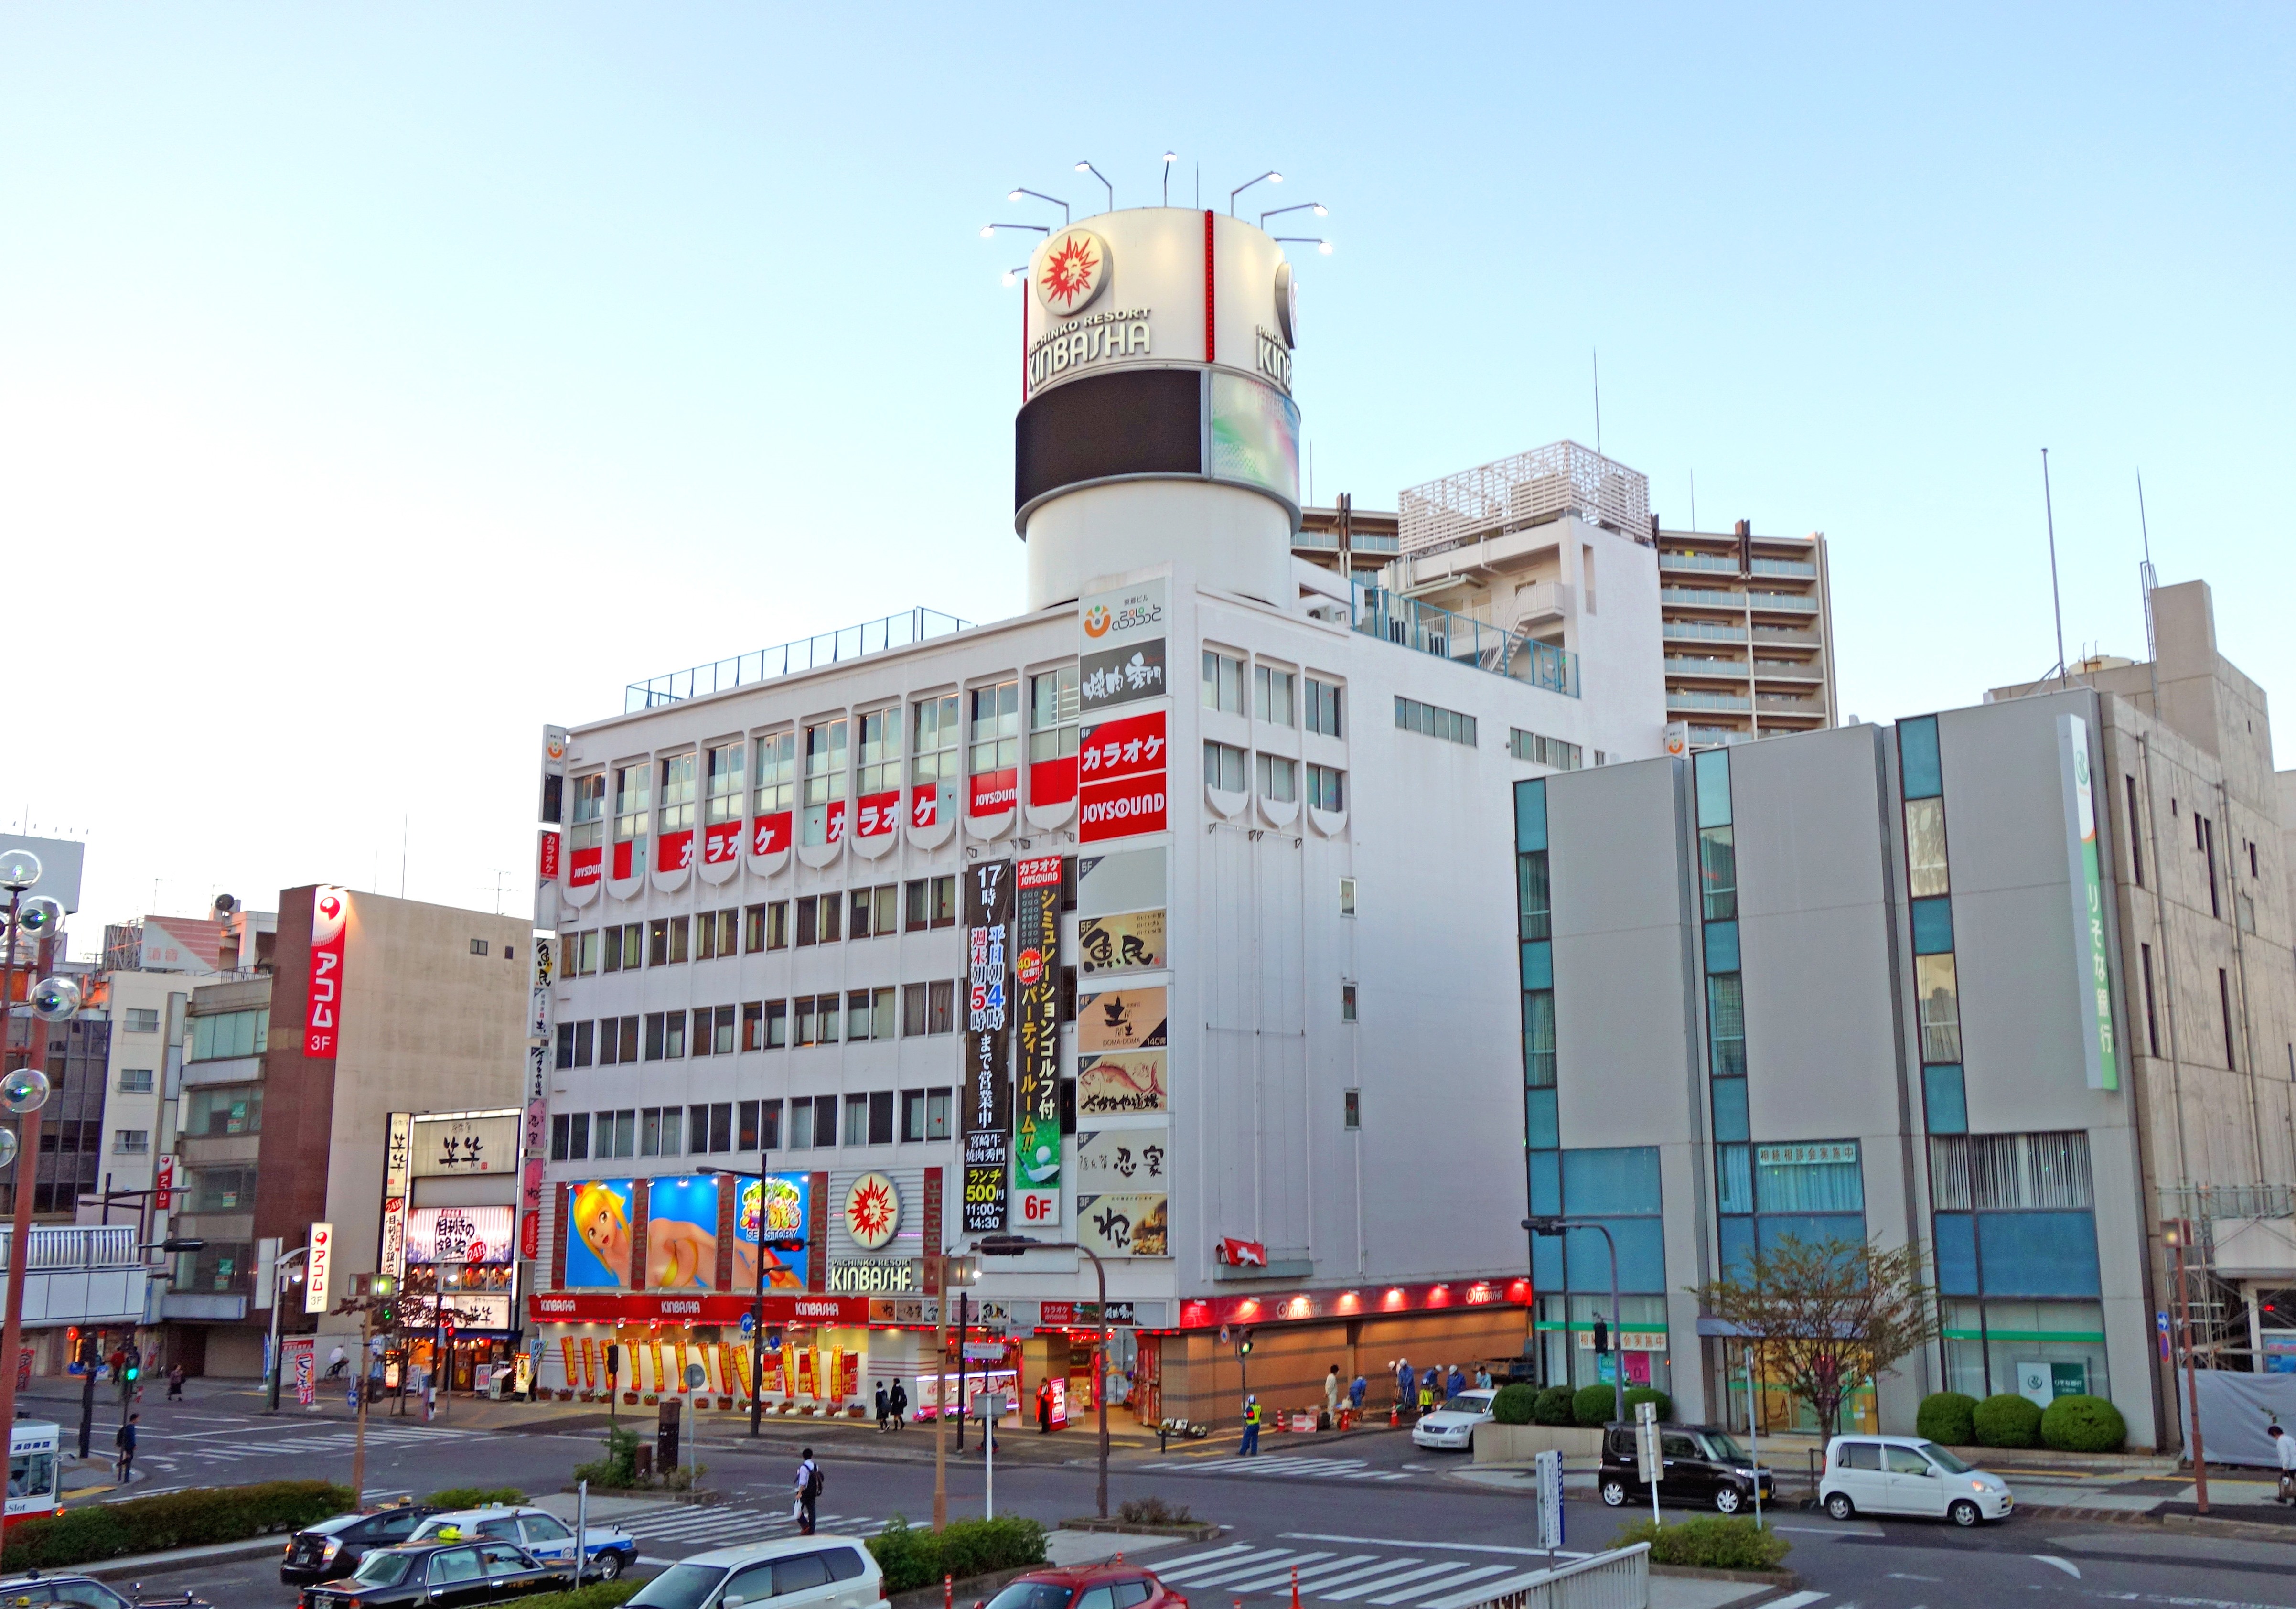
{"x":1458,"y":1580}
{"x":1799,"y":1600}
{"x":1418,"y":1545}
{"x":2067,"y":1566}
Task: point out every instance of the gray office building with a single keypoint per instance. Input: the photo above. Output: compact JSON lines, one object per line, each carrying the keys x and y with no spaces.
{"x":2012,"y":982}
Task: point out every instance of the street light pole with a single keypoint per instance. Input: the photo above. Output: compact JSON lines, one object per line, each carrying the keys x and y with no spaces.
{"x":2177,"y":1232}
{"x":1557,"y":1226}
{"x":27,"y":1154}
{"x":1014,"y":1245}
{"x":279,"y":1283}
{"x":757,"y":1281}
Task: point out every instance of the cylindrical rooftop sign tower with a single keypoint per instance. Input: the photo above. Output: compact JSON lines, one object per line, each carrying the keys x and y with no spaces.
{"x":1157,"y":420}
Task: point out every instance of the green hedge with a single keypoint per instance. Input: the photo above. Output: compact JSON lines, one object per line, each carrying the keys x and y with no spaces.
{"x":916,"y":1555}
{"x":1515,"y":1404}
{"x":2083,"y":1424}
{"x":2007,"y":1420}
{"x":1595,"y":1406}
{"x":476,"y":1496}
{"x":174,"y":1519}
{"x":1555,"y":1406}
{"x":598,"y":1595}
{"x":1947,"y":1416}
{"x":1709,"y":1543}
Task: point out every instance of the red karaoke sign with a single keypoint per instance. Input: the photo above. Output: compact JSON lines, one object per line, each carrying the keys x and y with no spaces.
{"x":1121,"y":770}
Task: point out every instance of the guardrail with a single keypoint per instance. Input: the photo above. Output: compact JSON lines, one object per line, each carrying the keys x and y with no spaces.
{"x":1617,"y":1580}
{"x":67,"y":1247}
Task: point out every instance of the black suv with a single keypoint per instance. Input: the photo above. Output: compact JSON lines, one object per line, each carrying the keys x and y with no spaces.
{"x":1703,"y":1468}
{"x":334,"y":1547}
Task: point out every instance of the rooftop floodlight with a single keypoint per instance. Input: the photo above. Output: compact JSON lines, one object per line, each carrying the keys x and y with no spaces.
{"x":1320,"y":244}
{"x":988,"y":230}
{"x":1097,"y":173}
{"x":1013,"y":276}
{"x":1019,"y":191}
{"x":1271,"y":175}
{"x":20,"y":869}
{"x":1170,"y":157}
{"x":1318,"y":208}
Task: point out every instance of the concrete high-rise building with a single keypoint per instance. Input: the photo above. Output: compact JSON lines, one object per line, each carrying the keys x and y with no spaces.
{"x":1749,"y":631}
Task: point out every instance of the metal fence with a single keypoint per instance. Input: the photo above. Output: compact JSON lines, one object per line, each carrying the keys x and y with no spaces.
{"x":1464,"y":640}
{"x":1617,"y":1579}
{"x":68,"y":1248}
{"x":1528,"y":489}
{"x":788,"y":659}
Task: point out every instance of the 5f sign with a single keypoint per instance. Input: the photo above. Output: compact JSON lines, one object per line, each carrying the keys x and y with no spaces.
{"x":319,"y":1268}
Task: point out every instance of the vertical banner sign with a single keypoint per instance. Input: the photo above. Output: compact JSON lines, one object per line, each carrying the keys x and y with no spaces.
{"x":2091,"y":960}
{"x":398,"y":1170}
{"x":319,"y":1269}
{"x":930,"y":1231}
{"x":323,"y":1015}
{"x":1120,"y":778}
{"x":1036,"y":1044}
{"x":300,"y":1361}
{"x":545,"y":965}
{"x":163,"y":1193}
{"x":987,"y":1044}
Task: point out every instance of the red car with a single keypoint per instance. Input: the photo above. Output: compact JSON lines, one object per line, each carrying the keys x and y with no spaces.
{"x":1111,"y":1586}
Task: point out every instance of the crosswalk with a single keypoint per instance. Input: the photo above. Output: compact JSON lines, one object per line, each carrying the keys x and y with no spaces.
{"x":175,"y":1452}
{"x":1291,"y":1468}
{"x":1426,"y":1577}
{"x":676,"y":1527}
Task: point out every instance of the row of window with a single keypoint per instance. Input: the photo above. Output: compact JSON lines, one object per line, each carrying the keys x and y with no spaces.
{"x":1432,"y":720}
{"x":1546,"y":751}
{"x":1279,"y":780}
{"x":920,"y":904}
{"x":709,"y":1129}
{"x":229,"y":1034}
{"x":1274,"y":694}
{"x":914,"y":1010}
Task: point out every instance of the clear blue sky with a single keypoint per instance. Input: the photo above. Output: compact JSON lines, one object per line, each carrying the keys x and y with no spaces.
{"x":386,"y":381}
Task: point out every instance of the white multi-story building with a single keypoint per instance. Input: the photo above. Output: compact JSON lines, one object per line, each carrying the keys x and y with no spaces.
{"x":1157,"y":917}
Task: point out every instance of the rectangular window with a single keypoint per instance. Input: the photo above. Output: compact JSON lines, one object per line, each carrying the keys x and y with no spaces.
{"x":926,"y":1114}
{"x":1816,"y":1178}
{"x":661,"y":1132}
{"x":1223,"y":683}
{"x":614,"y":1135}
{"x":1432,"y":720}
{"x":585,"y":956}
{"x":856,"y":920}
{"x":705,"y":937}
{"x":1710,"y":782}
{"x":143,"y":1019}
{"x":136,"y":1080}
{"x":1322,"y":707}
{"x":610,"y":1041}
{"x":776,"y":773}
{"x":995,"y":733}
{"x":1052,"y":714}
{"x":586,"y":830}
{"x":1346,"y":896}
{"x":777,"y":1025}
{"x":583,"y":1032}
{"x":1278,"y":779}
{"x":881,"y":751}
{"x":2135,"y":845}
{"x":800,"y":1134}
{"x":218,"y":1111}
{"x":721,"y":1030}
{"x":1271,"y":695}
{"x":1539,"y":1038}
{"x":1718,"y":872}
{"x":1932,"y":920}
{"x":1223,"y":767}
{"x":1925,"y":865}
{"x":633,"y":807}
{"x":808,"y":929}
{"x":2209,"y":848}
{"x":577,"y":1139}
{"x":1533,"y":901}
{"x":1543,"y":751}
{"x":884,"y":910}
{"x":2152,"y":1023}
{"x":1351,"y":1110}
{"x":857,"y":1120}
{"x":830,"y":917}
{"x":753,"y":1025}
{"x":944,"y":901}
{"x":665,"y":1036}
{"x":881,"y":1117}
{"x":1940,"y":1004}
{"x":940,"y":1008}
{"x":677,"y":793}
{"x":1325,"y":791}
{"x":1725,"y":1023}
{"x":613,"y":949}
{"x":913,"y":1010}
{"x":1346,"y":1002}
{"x":1921,"y":774}
{"x":726,"y":783}
{"x":221,"y":1035}
{"x":2224,"y":998}
{"x":825,"y":779}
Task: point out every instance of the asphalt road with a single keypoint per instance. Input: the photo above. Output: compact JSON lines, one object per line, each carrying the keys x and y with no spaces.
{"x":1369,"y":1521}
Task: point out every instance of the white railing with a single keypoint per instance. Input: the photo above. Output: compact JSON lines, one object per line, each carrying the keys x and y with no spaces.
{"x":62,"y":1248}
{"x":1526,"y":490}
{"x":1617,"y":1579}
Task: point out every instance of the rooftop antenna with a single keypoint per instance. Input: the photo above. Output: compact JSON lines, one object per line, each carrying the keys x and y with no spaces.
{"x":1694,"y":499}
{"x":2055,"y":601}
{"x":1598,"y":403}
{"x":2145,"y":577}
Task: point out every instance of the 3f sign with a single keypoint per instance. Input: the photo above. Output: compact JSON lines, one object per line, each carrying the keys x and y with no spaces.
{"x":319,"y":1270}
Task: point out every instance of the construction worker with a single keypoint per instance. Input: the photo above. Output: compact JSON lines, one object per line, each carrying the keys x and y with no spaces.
{"x":1251,"y":1428}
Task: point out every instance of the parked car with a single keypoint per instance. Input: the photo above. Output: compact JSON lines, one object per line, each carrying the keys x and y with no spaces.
{"x":334,"y":1547}
{"x":797,"y":1572}
{"x":449,"y":1575}
{"x":1906,"y":1474}
{"x":1452,"y":1424}
{"x":1703,"y":1466}
{"x":31,"y":1591}
{"x":609,"y":1550}
{"x":1113,"y":1585}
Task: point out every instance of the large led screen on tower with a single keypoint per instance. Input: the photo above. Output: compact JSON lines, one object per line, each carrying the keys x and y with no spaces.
{"x":1147,"y":422}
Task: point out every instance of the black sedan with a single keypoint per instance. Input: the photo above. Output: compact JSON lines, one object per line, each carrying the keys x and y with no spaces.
{"x":444,"y":1574}
{"x":81,"y":1592}
{"x":334,"y":1547}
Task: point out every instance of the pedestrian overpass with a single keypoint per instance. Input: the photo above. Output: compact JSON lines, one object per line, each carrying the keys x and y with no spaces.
{"x":83,"y":1274}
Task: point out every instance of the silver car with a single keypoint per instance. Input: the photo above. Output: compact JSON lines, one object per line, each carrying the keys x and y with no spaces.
{"x":1452,"y":1426}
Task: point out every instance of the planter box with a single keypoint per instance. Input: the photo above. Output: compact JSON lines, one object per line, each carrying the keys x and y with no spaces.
{"x":1498,"y":1443}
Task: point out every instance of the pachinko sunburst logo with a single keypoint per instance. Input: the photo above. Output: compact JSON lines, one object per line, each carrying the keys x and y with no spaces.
{"x":1072,"y":271}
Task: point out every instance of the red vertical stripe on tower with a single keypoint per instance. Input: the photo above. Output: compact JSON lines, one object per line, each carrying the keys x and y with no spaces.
{"x":1211,"y":347}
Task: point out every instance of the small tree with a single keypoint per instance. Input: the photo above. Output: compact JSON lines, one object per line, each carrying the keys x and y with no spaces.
{"x":1826,"y":1314}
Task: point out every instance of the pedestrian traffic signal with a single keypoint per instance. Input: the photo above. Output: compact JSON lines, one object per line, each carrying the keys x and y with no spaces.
{"x":134,"y":1372}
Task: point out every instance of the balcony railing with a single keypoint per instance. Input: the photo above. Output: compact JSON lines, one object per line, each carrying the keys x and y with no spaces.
{"x":1796,"y":602}
{"x":1328,"y":541}
{"x":1698,"y":561}
{"x":790,"y":658}
{"x":1785,"y":670}
{"x":1774,"y":703}
{"x":1734,"y":669}
{"x":1712,"y":631}
{"x":1464,"y":640}
{"x":68,"y":1248}
{"x":1786,"y":567}
{"x":1698,"y":698}
{"x":1702,"y":597}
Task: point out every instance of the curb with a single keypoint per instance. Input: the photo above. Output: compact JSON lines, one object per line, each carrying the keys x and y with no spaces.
{"x":1199,"y":1530}
{"x":1785,"y":1580}
{"x":2210,"y":1525}
{"x":180,"y":1558}
{"x":978,"y":1585}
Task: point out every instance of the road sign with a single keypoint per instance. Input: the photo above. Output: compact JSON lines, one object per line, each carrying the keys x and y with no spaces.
{"x":696,"y":1376}
{"x":1646,"y":1442}
{"x":989,"y":1405}
{"x":1549,"y":1466}
{"x":749,"y":1324}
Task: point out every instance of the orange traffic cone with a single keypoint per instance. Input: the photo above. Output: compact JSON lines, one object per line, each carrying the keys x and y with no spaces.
{"x":1295,"y":1587}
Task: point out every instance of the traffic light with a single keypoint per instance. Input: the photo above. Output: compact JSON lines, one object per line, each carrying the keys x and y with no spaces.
{"x":1243,"y":1346}
{"x":1602,"y":1338}
{"x":134,"y":1371}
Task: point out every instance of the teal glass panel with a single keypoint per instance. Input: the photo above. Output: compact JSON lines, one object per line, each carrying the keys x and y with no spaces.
{"x":1642,"y":1256}
{"x":1538,"y":965}
{"x":1547,"y":1182}
{"x":1729,"y":1109}
{"x":1956,"y":1254}
{"x":2039,"y":1253}
{"x":1546,"y":1263}
{"x":1734,"y":1178}
{"x":1917,"y":758}
{"x":1947,"y":1109}
{"x":1712,"y":770}
{"x":1539,"y":1038}
{"x":1621,"y":1178}
{"x":1721,"y":946}
{"x":1531,"y":815}
{"x":1932,"y":926}
{"x":1542,"y":1130}
{"x":1737,"y":1246}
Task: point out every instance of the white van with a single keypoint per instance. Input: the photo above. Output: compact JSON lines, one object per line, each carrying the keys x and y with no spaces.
{"x":797,"y":1572}
{"x":1906,"y":1474}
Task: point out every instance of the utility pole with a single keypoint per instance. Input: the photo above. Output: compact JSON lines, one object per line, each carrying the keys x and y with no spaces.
{"x":2177,"y":1232}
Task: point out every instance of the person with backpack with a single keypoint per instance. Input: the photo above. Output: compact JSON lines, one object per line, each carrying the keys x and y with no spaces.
{"x":124,"y":1439}
{"x":884,"y":1407}
{"x":900,"y":1405}
{"x":810,"y":1485}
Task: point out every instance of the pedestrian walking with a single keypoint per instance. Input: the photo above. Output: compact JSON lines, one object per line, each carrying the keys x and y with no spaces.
{"x":1250,"y":1447}
{"x":900,"y":1401}
{"x":884,"y":1407}
{"x":810,"y":1485}
{"x":176,"y":1384}
{"x":124,"y":1439}
{"x":2284,"y":1445}
{"x":1333,"y":1391}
